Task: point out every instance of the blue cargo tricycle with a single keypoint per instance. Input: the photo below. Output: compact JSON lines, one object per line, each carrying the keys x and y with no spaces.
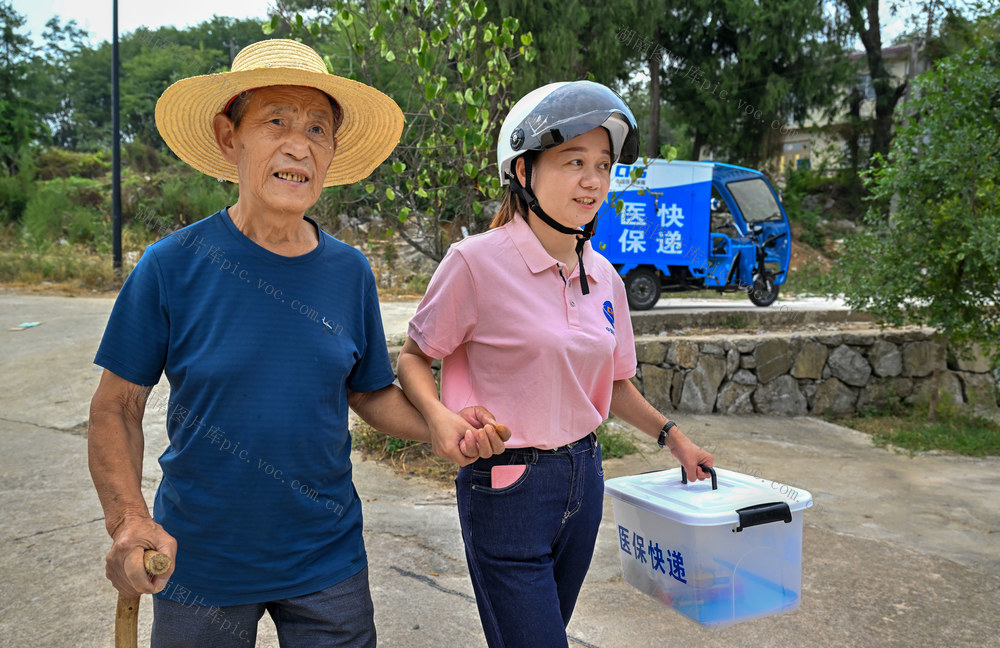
{"x":694,"y":226}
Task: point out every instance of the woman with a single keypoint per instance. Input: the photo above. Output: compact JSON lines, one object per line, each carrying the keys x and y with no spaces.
{"x":523,"y":317}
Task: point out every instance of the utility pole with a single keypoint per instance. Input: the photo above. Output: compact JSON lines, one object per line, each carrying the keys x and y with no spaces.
{"x":116,"y":162}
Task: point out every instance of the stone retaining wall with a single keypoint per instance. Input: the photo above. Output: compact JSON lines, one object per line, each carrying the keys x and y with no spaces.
{"x":839,"y":373}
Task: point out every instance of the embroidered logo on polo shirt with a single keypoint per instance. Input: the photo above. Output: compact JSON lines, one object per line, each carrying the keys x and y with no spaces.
{"x":609,"y":312}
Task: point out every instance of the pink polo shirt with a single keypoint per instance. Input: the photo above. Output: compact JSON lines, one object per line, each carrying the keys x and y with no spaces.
{"x":516,"y":338}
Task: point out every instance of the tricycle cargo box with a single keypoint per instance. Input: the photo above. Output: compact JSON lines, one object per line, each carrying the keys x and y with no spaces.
{"x":718,"y":556}
{"x":679,"y":226}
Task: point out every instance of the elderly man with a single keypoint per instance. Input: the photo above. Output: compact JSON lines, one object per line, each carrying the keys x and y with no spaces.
{"x":267,"y":329}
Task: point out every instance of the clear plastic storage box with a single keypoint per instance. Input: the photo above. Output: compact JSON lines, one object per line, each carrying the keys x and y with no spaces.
{"x":717,"y":555}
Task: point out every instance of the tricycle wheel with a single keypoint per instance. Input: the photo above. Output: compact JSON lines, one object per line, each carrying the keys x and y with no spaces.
{"x":764,"y":291}
{"x":643,"y":288}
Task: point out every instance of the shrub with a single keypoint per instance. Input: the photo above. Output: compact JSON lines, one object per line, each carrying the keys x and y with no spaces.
{"x":614,"y":441}
{"x":14,"y":196}
{"x":66,"y":208}
{"x":16,"y":190}
{"x":801,"y":184}
{"x":141,"y":157}
{"x":931,"y":252}
{"x":58,"y":163}
{"x":188,"y":198}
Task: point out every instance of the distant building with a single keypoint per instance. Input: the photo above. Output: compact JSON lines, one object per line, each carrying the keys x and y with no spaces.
{"x":820,"y":141}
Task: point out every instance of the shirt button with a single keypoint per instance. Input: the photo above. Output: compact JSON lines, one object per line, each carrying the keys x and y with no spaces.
{"x":572,"y":303}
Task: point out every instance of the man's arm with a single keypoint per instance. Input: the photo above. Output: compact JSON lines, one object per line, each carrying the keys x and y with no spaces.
{"x":389,"y":411}
{"x":115,"y":446}
{"x":630,"y":406}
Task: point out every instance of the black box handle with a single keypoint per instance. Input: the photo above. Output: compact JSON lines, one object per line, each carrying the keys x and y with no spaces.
{"x":710,"y":471}
{"x":763,"y":514}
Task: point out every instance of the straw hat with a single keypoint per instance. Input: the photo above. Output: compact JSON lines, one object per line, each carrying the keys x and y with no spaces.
{"x":370,"y":130}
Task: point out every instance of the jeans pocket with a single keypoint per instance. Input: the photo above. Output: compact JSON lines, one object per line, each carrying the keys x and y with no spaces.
{"x":598,"y":460}
{"x":482,"y":480}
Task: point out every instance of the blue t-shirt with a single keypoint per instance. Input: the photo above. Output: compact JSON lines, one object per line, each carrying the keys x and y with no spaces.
{"x":260,"y":351}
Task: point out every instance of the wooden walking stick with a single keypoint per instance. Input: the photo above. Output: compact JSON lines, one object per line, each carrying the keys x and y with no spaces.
{"x":127,"y":615}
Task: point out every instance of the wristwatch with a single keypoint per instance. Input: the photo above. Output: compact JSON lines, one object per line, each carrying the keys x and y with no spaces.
{"x":662,"y":440}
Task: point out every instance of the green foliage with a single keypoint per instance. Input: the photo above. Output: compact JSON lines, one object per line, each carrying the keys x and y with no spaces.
{"x":59,"y":163}
{"x":614,"y":443}
{"x":141,"y":157}
{"x":953,"y":431}
{"x":67,"y":209}
{"x":13,"y":198}
{"x":574,"y":39}
{"x":184,"y":200}
{"x":735,"y":321}
{"x":931,"y":253}
{"x":16,"y":190}
{"x":811,"y":279}
{"x":449,"y":69}
{"x":150,"y":61}
{"x":59,"y":93}
{"x":389,"y":253}
{"x":409,"y":457}
{"x":737,"y":72}
{"x":800,"y":184}
{"x":73,"y":264}
{"x":417,"y":284}
{"x":21,"y":103}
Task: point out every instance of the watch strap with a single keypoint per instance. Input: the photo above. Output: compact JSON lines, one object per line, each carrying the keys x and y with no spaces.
{"x":662,"y":440}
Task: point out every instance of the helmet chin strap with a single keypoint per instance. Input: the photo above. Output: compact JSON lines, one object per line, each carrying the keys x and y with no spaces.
{"x":528,"y":196}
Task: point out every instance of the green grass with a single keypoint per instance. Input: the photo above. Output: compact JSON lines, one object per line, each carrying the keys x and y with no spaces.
{"x":365,"y":437}
{"x":809,"y":279}
{"x":614,"y":443}
{"x":407,"y":457}
{"x":735,"y":321}
{"x":415,"y":458}
{"x":60,"y":265}
{"x":74,"y":266}
{"x":954,"y":431}
{"x":417,"y":284}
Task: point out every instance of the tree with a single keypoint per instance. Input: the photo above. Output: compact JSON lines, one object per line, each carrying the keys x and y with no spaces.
{"x":51,"y":74}
{"x":150,"y":61}
{"x":20,"y":121}
{"x":449,"y":69}
{"x":736,"y":71}
{"x":956,"y":34}
{"x":863,"y":16}
{"x":575,"y":39}
{"x":937,"y":29}
{"x":934,"y":257}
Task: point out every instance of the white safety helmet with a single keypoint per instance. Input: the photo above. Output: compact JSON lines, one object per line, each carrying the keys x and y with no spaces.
{"x":554,"y":114}
{"x":558,"y":112}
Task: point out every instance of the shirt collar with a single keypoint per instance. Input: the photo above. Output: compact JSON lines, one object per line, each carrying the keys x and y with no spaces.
{"x":534,"y":254}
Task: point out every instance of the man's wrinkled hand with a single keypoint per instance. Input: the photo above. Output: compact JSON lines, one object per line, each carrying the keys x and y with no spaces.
{"x":124,"y":566}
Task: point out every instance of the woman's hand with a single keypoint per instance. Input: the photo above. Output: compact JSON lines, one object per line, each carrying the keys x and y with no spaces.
{"x":628,"y":404}
{"x":471,"y":434}
{"x":691,"y":456}
{"x":487,"y":443}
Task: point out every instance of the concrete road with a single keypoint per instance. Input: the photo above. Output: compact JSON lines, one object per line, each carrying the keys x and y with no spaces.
{"x":675,"y":304}
{"x":673,"y":314}
{"x":897,"y":551}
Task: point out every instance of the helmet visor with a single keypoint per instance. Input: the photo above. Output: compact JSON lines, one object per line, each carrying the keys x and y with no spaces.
{"x":575,"y":109}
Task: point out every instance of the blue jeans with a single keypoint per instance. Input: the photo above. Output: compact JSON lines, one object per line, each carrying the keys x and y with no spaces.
{"x":529,"y":544}
{"x":341,"y":616}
